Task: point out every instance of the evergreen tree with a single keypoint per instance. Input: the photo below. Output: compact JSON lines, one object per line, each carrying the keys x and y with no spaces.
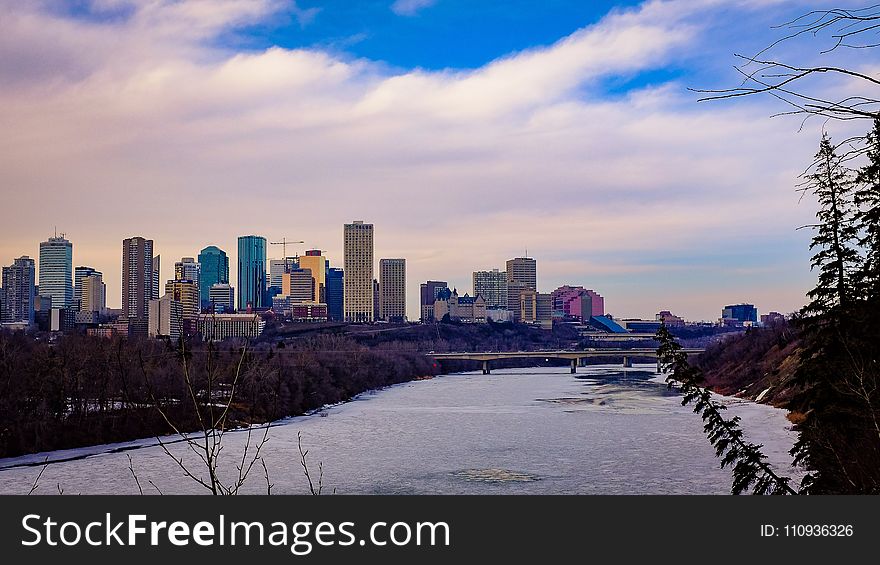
{"x":867,"y":198}
{"x":836,"y":233}
{"x":839,"y":438}
{"x":750,"y":469}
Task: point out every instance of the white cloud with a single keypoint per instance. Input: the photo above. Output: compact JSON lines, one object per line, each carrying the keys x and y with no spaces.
{"x":142,"y":126}
{"x":410,"y":7}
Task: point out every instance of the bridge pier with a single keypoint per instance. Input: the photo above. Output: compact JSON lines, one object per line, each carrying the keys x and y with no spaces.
{"x":574,"y":366}
{"x":486,"y":370}
{"x":582,"y":362}
{"x":659,"y":369}
{"x":627,"y":362}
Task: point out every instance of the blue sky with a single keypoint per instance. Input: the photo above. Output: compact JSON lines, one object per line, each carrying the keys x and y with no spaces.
{"x":465,"y":131}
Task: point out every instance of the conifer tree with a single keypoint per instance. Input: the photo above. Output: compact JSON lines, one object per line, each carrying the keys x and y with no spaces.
{"x":749,"y":466}
{"x":867,"y":198}
{"x":836,"y":443}
{"x":836,"y":257}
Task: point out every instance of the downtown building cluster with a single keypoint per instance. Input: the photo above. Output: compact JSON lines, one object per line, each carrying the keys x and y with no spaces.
{"x":200,"y":300}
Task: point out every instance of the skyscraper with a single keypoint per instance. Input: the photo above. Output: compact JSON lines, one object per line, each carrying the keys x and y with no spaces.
{"x":214,"y":270}
{"x":317,"y":264}
{"x":428,"y":292}
{"x":277,"y":268}
{"x":492,"y":286}
{"x":79,"y":273}
{"x":523,"y":270}
{"x":93,"y":295}
{"x":392,"y":290}
{"x":138,"y":277}
{"x":188,"y":269}
{"x":358,"y":266}
{"x":18,"y":289}
{"x":251,"y":271}
{"x":298,"y":285}
{"x":521,"y":276}
{"x":187,"y":293}
{"x":56,"y":271}
{"x":154,"y":292}
{"x":335,"y":294}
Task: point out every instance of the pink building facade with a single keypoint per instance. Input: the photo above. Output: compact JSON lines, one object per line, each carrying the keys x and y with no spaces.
{"x":573,"y":300}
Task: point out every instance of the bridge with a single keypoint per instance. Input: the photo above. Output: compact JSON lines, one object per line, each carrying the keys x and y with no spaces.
{"x":575,"y":356}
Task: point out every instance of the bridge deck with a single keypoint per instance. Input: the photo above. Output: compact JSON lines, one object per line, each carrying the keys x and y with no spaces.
{"x":558,"y":354}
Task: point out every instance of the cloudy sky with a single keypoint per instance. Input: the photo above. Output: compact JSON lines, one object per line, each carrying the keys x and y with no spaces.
{"x":467,"y":132}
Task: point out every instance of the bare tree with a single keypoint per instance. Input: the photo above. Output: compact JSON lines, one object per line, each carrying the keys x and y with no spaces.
{"x":211,"y":405}
{"x":839,"y":29}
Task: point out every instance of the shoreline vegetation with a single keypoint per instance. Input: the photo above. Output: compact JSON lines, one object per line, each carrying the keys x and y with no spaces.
{"x":81,"y":391}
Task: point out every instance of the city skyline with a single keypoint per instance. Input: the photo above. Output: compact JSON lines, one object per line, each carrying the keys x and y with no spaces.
{"x":609,"y":172}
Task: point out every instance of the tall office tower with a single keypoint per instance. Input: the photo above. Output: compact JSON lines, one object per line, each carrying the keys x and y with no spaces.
{"x":521,"y":275}
{"x":358,"y":267}
{"x":222,"y":299}
{"x":215,"y":270}
{"x":428,"y":292}
{"x":298,"y":285}
{"x":187,"y":293}
{"x":56,"y":271}
{"x":251,"y":271}
{"x":79,"y":273}
{"x":392,"y":290}
{"x":277,"y":268}
{"x":18,"y":289}
{"x":524,"y":270}
{"x":317,"y":264}
{"x":335,"y":294}
{"x":156,"y":278}
{"x":492,"y":286}
{"x":93,"y":296}
{"x":187,"y":269}
{"x":138,"y":277}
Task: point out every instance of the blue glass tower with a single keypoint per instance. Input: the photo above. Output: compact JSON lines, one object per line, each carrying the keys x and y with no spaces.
{"x":335,"y":294}
{"x":215,"y":270}
{"x":251,"y":271}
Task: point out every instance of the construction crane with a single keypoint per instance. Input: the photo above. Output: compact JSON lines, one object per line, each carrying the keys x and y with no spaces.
{"x":283,"y":243}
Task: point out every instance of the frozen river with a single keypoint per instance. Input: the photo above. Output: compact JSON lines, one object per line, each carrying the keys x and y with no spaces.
{"x":516,"y":431}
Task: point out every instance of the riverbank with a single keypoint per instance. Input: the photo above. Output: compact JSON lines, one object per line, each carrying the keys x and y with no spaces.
{"x":516,"y":431}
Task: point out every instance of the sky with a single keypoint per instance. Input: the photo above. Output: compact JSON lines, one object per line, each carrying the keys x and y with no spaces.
{"x":467,"y":132}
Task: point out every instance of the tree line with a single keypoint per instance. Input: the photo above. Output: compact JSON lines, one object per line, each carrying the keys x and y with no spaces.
{"x":84,"y":390}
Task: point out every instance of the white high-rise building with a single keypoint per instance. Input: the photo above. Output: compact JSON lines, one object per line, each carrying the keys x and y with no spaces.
{"x":392,"y":290}
{"x":358,"y":267}
{"x":277,"y":268}
{"x":492,"y":286}
{"x":56,"y":271}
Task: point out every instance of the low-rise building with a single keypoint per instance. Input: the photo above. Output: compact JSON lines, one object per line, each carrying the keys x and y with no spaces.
{"x":466,"y":309}
{"x":218,"y":327}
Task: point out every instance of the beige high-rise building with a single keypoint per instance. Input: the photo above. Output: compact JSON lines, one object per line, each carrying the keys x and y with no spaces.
{"x":523,"y":270}
{"x":187,"y":293}
{"x":521,"y":276}
{"x":392,"y":290}
{"x":93,"y":294}
{"x":358,"y":266}
{"x":317,"y":264}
